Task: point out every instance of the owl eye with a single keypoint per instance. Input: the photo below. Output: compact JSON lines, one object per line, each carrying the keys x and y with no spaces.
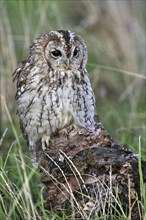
{"x":56,"y":53}
{"x":76,"y":52}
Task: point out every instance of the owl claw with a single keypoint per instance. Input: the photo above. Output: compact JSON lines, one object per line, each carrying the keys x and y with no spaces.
{"x":63,"y":131}
{"x":34,"y":160}
{"x":45,"y":142}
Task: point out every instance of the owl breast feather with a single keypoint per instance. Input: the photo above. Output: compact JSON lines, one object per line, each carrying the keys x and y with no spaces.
{"x":46,"y":108}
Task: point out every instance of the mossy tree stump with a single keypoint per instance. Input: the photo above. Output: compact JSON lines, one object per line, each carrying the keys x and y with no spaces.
{"x":89,"y":175}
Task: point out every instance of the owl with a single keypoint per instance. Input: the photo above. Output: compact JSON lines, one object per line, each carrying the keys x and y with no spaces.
{"x":54,"y":89}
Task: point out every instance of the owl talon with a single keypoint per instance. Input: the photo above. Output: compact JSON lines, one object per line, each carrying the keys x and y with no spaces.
{"x":34,"y":159}
{"x":45,"y":142}
{"x":63,"y":131}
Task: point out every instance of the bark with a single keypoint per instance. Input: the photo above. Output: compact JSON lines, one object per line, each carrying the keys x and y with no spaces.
{"x":87,"y":174}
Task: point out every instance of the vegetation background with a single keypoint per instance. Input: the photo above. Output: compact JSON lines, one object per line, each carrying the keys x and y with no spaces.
{"x":115,"y":35}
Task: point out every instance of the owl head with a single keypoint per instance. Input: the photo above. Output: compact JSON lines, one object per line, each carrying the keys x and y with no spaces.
{"x":62,"y":50}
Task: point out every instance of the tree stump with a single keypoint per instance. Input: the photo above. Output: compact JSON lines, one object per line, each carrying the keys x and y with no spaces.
{"x":89,"y":175}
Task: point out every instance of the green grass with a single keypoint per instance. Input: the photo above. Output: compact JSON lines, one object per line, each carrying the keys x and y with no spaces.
{"x":21,"y":195}
{"x":115,"y":36}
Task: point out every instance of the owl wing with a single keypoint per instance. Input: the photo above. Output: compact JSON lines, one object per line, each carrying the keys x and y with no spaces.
{"x":19,"y":69}
{"x":20,"y":76}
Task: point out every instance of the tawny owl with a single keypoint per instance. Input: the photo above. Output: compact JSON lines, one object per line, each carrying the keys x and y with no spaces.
{"x":53,"y":88}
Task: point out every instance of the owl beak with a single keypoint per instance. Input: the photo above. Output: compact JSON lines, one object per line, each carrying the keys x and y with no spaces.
{"x":67,"y":64}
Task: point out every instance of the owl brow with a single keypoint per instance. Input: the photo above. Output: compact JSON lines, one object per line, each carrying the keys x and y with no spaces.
{"x":66,"y":37}
{"x":68,"y":50}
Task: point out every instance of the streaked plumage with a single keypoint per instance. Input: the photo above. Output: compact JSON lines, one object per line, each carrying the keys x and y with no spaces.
{"x":53,"y":88}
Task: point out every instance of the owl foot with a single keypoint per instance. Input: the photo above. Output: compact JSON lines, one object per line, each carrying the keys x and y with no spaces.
{"x":64,"y":132}
{"x":34,"y":159}
{"x":45,"y":141}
